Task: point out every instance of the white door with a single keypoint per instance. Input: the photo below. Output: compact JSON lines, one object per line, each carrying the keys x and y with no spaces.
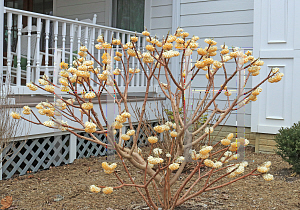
{"x":277,"y":42}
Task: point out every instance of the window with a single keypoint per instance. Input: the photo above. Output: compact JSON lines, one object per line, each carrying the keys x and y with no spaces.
{"x":128,"y":14}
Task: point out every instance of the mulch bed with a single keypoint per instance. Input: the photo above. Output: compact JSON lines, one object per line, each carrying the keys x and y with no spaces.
{"x":67,"y":187}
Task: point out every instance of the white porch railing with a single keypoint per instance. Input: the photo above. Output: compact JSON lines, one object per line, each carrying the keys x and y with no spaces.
{"x":31,"y":39}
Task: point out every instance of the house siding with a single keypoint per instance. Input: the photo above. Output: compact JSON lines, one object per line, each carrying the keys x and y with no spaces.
{"x":226,"y":21}
{"x":81,"y":10}
{"x":161,"y":17}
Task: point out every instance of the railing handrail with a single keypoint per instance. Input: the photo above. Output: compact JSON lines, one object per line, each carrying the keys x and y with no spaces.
{"x":77,"y":22}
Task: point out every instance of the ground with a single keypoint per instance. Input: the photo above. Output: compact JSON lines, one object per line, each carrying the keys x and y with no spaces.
{"x":67,"y":187}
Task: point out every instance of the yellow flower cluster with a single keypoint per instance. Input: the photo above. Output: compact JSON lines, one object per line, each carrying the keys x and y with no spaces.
{"x":146,"y":33}
{"x":174,"y":166}
{"x":63,"y":81}
{"x":209,"y":130}
{"x":170,"y":54}
{"x":49,"y":88}
{"x":132,"y":71}
{"x":159,"y":129}
{"x":117,"y":125}
{"x":265,"y":167}
{"x":225,"y":142}
{"x":210,"y":42}
{"x":43,"y":82}
{"x":224,"y":50}
{"x":130,"y":132}
{"x":276,"y":78}
{"x":173,"y":134}
{"x":83,"y":48}
{"x":117,"y":58}
{"x":26,"y":110}
{"x":49,"y":123}
{"x":154,"y":160}
{"x":205,"y":150}
{"x":209,"y":163}
{"x":31,"y":86}
{"x":134,"y":39}
{"x":109,"y":168}
{"x":150,"y":48}
{"x":90,"y":127}
{"x":82,"y":54}
{"x":268,"y":177}
{"x":90,"y":95}
{"x":15,"y":115}
{"x":180,"y":159}
{"x":64,"y":73}
{"x":102,"y":77}
{"x":120,"y":119}
{"x":64,"y":65}
{"x":95,"y":189}
{"x":106,"y":58}
{"x":197,"y":156}
{"x":117,"y":71}
{"x":152,"y":139}
{"x":125,"y":137}
{"x":255,"y":93}
{"x":147,"y":58}
{"x":237,"y":169}
{"x":116,"y":42}
{"x":131,"y":52}
{"x":107,"y":190}
{"x":217,"y":164}
{"x":87,"y":106}
{"x":100,"y":39}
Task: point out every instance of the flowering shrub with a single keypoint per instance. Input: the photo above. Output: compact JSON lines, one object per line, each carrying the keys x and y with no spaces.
{"x":288,"y":145}
{"x":162,"y":167}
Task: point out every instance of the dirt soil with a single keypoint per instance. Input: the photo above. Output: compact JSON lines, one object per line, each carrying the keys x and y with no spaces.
{"x":67,"y":187}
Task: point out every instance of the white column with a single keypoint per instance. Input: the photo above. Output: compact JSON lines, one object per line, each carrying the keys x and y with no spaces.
{"x":73,"y":142}
{"x":28,"y":68}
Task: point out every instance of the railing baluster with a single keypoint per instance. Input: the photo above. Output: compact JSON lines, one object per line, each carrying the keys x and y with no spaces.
{"x":86,"y":36}
{"x":92,"y":47}
{"x":71,"y":43}
{"x":28,"y":69}
{"x":132,"y":60}
{"x":19,"y":50}
{"x":143,"y":74}
{"x":47,"y":30}
{"x":9,"y":55}
{"x":63,"y":33}
{"x":55,"y":45}
{"x":38,"y":37}
{"x":123,"y":57}
{"x":105,"y":36}
{"x":78,"y":39}
{"x":138,"y":63}
{"x":117,"y":62}
{"x":99,"y":53}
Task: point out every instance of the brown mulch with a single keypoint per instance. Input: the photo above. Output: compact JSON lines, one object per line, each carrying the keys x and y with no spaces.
{"x":67,"y":187}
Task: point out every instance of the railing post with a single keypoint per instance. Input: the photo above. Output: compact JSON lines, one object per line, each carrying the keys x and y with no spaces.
{"x":73,"y":141}
{"x":19,"y":44}
{"x":1,"y":52}
{"x":38,"y":38}
{"x":28,"y":68}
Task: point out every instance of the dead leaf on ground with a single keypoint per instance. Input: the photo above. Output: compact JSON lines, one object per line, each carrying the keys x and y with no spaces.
{"x":6,"y":202}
